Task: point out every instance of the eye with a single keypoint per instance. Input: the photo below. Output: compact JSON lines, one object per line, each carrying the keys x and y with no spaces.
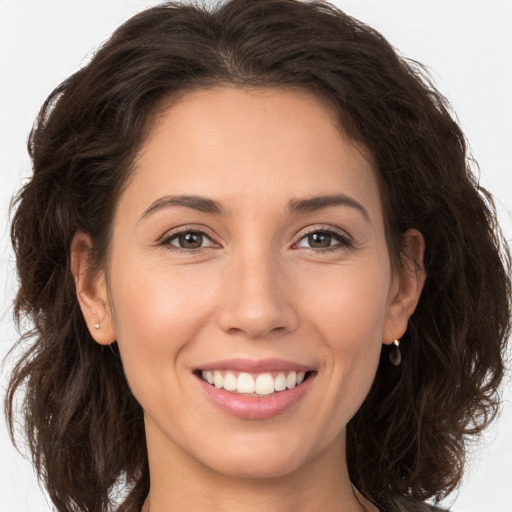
{"x":188,"y":240}
{"x":324,"y":239}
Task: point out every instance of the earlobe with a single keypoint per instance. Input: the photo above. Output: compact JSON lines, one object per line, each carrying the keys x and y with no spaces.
{"x":91,"y":291}
{"x":407,"y":286}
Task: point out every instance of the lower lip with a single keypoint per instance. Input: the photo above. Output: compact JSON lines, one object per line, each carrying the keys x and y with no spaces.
{"x":256,"y":407}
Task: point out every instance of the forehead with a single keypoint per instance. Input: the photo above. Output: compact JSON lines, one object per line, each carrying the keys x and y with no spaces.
{"x":258,"y":144}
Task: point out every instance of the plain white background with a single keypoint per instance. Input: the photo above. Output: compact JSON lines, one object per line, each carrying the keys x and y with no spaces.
{"x":466,"y":44}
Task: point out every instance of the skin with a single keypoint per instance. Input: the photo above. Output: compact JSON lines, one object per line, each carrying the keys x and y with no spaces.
{"x":255,"y":289}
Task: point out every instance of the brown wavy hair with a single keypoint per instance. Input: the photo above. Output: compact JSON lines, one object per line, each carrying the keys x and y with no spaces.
{"x":84,"y":428}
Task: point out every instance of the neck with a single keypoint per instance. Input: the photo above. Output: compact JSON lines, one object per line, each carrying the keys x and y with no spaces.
{"x":181,"y":483}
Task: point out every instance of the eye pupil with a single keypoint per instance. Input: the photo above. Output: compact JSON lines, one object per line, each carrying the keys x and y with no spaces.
{"x":319,"y":240}
{"x":191,"y":240}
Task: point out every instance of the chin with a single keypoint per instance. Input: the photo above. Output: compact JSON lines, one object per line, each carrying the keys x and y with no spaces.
{"x":261,"y":457}
{"x":258,"y":467}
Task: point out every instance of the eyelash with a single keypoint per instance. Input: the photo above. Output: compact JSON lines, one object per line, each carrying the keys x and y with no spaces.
{"x":167,"y":240}
{"x":344,"y":241}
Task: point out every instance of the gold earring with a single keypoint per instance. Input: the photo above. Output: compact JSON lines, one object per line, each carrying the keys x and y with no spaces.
{"x":395,"y":356}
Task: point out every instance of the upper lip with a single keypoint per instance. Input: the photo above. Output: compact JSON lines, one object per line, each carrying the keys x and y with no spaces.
{"x":255,"y":365}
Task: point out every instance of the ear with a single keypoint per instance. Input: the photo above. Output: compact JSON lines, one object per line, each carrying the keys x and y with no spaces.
{"x":406,"y":286}
{"x":91,"y":291}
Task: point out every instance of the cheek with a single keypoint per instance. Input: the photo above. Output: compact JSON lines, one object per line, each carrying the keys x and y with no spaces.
{"x":348,"y":304}
{"x":152,"y":298}
{"x":348,"y":313}
{"x":157,"y":313}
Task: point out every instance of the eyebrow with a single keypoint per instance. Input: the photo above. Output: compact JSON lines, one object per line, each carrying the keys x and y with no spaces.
{"x":315,"y":203}
{"x":204,"y":204}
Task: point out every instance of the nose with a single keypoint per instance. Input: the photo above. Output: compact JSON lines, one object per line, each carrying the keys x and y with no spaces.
{"x":256,"y":302}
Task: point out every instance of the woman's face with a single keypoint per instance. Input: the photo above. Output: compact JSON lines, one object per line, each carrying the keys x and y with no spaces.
{"x":248,"y":248}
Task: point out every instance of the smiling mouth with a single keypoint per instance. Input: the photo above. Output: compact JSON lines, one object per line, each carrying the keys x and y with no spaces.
{"x":253,"y":384}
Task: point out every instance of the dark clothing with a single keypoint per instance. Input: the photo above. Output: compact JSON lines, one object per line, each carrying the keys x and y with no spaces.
{"x":408,"y":504}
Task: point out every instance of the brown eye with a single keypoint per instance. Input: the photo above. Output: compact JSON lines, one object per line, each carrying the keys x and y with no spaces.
{"x":324,"y":240}
{"x":319,"y":240}
{"x":189,"y":240}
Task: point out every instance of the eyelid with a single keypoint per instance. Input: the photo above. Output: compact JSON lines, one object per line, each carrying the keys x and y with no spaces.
{"x":193,"y":228}
{"x":346,"y":239}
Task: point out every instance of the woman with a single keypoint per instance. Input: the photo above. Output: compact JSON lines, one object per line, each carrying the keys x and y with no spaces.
{"x":250,"y":248}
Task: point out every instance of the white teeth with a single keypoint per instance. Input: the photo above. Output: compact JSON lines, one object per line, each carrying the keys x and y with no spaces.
{"x":280,"y":382}
{"x":229,"y":382}
{"x":264,"y":384}
{"x":245,"y":383}
{"x":217,"y":379}
{"x":291,"y":380}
